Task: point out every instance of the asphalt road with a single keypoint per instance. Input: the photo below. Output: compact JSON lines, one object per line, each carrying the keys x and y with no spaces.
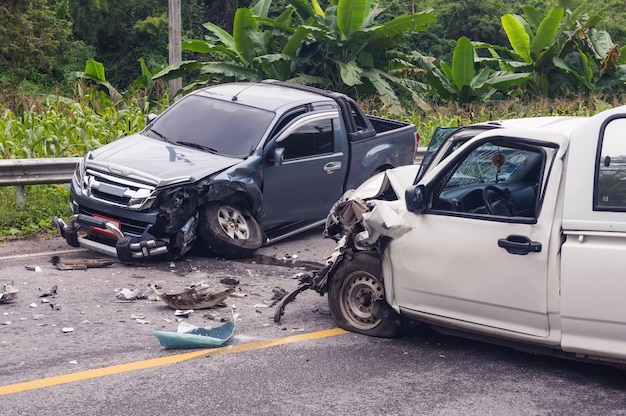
{"x":109,"y":363}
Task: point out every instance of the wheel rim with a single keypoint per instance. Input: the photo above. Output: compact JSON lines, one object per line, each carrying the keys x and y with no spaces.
{"x":358,"y":294}
{"x":233,"y":223}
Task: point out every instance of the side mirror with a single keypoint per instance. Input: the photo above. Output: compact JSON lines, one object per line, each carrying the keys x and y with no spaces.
{"x":150,"y":118}
{"x":416,"y":197}
{"x":279,"y":156}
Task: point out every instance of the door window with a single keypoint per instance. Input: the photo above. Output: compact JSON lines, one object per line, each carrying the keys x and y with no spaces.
{"x":312,"y":138}
{"x":610,"y":176}
{"x":497,"y":178}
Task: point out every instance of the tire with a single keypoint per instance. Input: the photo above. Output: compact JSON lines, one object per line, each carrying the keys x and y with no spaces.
{"x":229,"y":231}
{"x":352,"y":291}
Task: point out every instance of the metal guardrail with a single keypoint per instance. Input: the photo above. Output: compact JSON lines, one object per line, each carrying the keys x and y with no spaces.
{"x":15,"y":172}
{"x":22,"y":172}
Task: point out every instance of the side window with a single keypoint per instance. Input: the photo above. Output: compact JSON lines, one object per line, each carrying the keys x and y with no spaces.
{"x":610,"y":194}
{"x":497,"y":178}
{"x":312,"y":138}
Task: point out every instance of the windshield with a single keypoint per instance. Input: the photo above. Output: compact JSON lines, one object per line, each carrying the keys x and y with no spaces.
{"x":220,"y":127}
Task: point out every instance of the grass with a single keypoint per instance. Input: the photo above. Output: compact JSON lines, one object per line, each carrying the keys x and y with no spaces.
{"x":70,"y":130}
{"x":42,"y":203}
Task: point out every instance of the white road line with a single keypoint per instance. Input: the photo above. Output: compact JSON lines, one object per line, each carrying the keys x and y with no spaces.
{"x":47,"y":253}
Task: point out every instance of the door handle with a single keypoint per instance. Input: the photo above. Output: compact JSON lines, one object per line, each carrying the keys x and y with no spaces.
{"x":519,"y":244}
{"x":330,"y":167}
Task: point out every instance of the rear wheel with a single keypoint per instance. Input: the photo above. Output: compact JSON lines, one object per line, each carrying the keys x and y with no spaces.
{"x":352,"y":292}
{"x":230,"y":231}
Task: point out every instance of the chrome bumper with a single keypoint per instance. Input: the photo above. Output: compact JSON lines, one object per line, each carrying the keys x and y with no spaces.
{"x":126,"y":248}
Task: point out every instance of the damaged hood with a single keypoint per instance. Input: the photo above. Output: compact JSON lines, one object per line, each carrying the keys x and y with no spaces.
{"x":156,"y":162}
{"x":398,"y":179}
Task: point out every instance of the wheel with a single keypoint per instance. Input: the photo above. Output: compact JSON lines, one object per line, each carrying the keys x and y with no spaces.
{"x":498,"y":202}
{"x":354,"y":289}
{"x":229,"y":231}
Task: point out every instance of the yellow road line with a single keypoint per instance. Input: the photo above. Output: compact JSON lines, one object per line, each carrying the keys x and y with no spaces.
{"x":156,"y":362}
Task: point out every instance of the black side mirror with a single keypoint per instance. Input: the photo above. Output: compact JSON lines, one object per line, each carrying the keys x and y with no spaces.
{"x":278,"y":156}
{"x":416,"y":197}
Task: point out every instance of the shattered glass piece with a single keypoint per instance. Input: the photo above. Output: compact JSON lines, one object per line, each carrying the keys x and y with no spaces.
{"x":191,"y":336}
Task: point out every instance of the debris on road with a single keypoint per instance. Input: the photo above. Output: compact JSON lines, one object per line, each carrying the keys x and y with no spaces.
{"x":191,"y":336}
{"x":9,"y":293}
{"x":52,"y":292}
{"x":193,"y":298}
{"x":33,"y":268}
{"x":130,"y":294}
{"x":64,"y":264}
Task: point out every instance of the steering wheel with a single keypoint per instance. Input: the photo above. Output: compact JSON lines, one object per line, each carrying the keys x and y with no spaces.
{"x":498,"y":202}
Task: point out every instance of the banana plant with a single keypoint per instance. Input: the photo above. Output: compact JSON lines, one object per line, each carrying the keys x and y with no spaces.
{"x":338,"y":48}
{"x":562,"y":48}
{"x":258,"y":48}
{"x":461,"y":81}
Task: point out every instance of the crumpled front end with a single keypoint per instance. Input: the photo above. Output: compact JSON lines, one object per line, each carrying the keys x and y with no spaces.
{"x":127,"y":218}
{"x":357,"y":222}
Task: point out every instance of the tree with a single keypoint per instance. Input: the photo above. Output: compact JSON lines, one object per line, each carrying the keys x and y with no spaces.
{"x":34,"y":38}
{"x":562,"y":48}
{"x":340,"y":48}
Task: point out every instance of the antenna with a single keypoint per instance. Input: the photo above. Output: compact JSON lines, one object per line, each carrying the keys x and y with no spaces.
{"x":234,"y":98}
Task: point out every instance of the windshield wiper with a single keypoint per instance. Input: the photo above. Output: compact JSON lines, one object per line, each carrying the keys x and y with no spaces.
{"x":198,"y":146}
{"x":162,"y":137}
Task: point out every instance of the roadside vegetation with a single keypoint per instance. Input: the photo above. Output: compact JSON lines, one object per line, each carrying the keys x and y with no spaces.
{"x":87,"y":74}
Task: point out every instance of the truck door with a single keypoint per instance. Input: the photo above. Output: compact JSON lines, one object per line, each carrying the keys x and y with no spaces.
{"x":593,"y":278}
{"x":305,"y":170}
{"x":478,"y":255}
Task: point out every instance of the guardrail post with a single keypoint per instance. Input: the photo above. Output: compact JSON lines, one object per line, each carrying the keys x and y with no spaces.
{"x":20,"y":196}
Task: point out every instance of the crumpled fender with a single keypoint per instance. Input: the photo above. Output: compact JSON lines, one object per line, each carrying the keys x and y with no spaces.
{"x":382,"y":220}
{"x":244,"y":180}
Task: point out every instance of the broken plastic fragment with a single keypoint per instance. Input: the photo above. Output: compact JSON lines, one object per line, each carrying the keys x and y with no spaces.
{"x":33,"y":268}
{"x":191,"y":336}
{"x":194,"y":298}
{"x":8,"y":294}
{"x":67,"y":329}
{"x":128,"y":294}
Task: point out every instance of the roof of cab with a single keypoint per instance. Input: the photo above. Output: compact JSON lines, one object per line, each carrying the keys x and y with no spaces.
{"x":262,"y":95}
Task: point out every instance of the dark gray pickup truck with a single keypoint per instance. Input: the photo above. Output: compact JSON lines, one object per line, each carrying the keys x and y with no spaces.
{"x":239,"y":165}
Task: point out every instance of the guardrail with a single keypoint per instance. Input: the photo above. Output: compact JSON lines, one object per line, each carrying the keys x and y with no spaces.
{"x":22,"y":172}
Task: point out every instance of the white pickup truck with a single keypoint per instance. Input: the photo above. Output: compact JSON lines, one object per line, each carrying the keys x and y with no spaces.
{"x":512,"y":231}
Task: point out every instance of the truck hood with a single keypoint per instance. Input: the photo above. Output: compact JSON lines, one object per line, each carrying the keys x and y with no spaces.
{"x":156,"y":162}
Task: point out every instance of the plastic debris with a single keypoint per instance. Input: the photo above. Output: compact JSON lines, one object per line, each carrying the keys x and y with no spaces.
{"x":180,"y":312}
{"x":128,"y":294}
{"x":67,"y":329}
{"x":52,"y":292}
{"x":8,"y":294}
{"x":62,"y":264}
{"x":191,"y":336}
{"x":193,"y":298}
{"x":33,"y":268}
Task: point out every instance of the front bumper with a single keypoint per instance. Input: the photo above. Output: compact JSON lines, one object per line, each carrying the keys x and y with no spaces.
{"x":126,"y":249}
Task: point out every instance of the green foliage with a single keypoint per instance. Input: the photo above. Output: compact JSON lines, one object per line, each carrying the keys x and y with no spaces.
{"x":340,"y":48}
{"x":42,"y":203}
{"x":34,"y":40}
{"x":65,"y":129}
{"x":562,"y":48}
{"x":462,"y":83}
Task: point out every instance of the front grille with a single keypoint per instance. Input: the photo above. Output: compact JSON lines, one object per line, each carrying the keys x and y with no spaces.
{"x":117,"y":191}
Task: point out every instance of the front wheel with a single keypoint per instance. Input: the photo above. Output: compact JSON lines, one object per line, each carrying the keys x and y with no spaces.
{"x":352,"y":292}
{"x":230,"y":231}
